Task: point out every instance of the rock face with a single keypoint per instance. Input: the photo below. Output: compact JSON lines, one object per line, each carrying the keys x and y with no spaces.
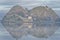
{"x":39,"y":22}
{"x":43,"y":22}
{"x":13,"y":21}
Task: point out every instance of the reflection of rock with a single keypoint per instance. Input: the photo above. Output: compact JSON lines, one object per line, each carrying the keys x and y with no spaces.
{"x":57,"y":22}
{"x":43,"y":22}
{"x":39,"y":22}
{"x":13,"y":21}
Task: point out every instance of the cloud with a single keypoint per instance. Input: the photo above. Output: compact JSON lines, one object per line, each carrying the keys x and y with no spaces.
{"x":4,"y":7}
{"x":25,"y":3}
{"x":21,"y":1}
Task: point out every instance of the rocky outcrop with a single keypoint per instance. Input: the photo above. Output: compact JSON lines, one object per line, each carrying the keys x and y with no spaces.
{"x":39,"y":22}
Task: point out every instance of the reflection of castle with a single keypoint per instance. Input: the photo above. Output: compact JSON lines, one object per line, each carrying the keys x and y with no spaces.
{"x":57,"y":22}
{"x":18,"y":21}
{"x":46,"y":21}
